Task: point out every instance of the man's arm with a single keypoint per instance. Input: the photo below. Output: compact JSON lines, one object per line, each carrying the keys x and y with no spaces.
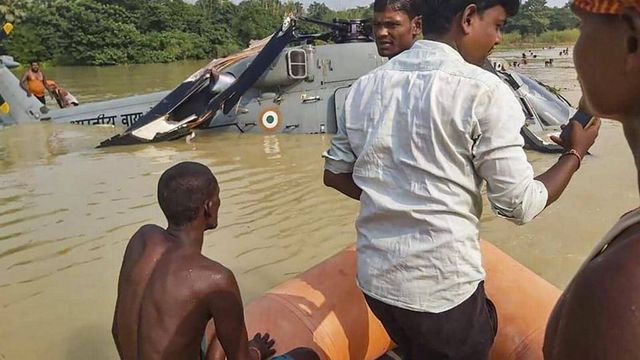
{"x":44,"y":82}
{"x":23,"y":83}
{"x":225,"y":305}
{"x":557,"y":177}
{"x":343,"y":183}
{"x":339,"y":160}
{"x":114,"y":331}
{"x":499,"y":158}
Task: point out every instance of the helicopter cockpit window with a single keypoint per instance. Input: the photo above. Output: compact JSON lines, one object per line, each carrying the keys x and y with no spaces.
{"x":297,"y":64}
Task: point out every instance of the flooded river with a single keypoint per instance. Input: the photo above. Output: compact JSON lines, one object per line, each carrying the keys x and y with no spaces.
{"x":67,"y":211}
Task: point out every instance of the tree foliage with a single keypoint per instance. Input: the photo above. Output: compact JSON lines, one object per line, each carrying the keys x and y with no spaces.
{"x":535,"y":17}
{"x":103,"y":32}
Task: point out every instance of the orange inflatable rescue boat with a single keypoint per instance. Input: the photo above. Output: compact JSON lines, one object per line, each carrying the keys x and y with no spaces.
{"x":323,"y":309}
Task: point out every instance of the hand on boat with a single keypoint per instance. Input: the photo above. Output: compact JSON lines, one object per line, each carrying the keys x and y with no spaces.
{"x":263,"y":344}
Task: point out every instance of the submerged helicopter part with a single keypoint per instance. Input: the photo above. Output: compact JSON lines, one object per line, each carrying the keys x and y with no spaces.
{"x":183,"y":110}
{"x":544,"y":111}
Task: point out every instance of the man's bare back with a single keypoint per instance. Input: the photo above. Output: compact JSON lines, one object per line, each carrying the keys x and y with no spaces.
{"x":168,"y":291}
{"x":164,"y":297}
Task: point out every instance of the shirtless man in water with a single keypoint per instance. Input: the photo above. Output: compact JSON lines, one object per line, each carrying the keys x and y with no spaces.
{"x":34,"y":82}
{"x":168,"y":291}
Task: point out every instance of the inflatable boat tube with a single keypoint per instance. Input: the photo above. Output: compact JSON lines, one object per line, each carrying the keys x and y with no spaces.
{"x":323,"y":309}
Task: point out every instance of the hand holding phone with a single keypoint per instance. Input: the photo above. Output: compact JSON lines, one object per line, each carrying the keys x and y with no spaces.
{"x":579,"y":134}
{"x":583,"y":118}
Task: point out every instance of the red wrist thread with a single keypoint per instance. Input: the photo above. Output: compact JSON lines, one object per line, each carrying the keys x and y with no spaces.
{"x":575,"y":153}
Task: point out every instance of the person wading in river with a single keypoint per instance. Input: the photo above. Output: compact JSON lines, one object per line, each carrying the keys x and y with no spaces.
{"x":34,"y":82}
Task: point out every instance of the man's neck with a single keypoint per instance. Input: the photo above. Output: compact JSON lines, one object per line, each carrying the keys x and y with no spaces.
{"x":188,"y":236}
{"x":448,"y":39}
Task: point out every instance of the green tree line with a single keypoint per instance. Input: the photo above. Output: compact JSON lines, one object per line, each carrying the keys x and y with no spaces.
{"x":106,"y":32}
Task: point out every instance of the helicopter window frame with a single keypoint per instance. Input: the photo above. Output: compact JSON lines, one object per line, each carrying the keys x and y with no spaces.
{"x":294,"y":65}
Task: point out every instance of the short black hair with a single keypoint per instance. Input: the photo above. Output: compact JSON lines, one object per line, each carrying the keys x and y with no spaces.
{"x":437,"y":15}
{"x":413,"y":8}
{"x":183,"y":189}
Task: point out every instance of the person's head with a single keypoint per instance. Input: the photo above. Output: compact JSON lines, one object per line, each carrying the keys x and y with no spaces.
{"x":607,"y":56}
{"x":189,"y":192}
{"x":396,"y":24}
{"x":52,"y":84}
{"x":35,"y":66}
{"x":474,"y":26}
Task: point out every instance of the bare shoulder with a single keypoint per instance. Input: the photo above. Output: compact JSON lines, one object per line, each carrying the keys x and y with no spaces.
{"x":147,"y":233}
{"x":612,"y":280}
{"x":147,"y":236}
{"x":601,"y":315}
{"x":211,"y":276}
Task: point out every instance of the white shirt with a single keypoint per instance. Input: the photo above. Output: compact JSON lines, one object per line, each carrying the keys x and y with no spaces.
{"x":420,"y":134}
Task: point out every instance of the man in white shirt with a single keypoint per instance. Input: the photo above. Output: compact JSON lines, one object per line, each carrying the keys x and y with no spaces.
{"x":417,"y":139}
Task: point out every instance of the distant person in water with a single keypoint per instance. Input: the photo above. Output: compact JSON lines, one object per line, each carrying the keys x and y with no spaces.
{"x":598,"y":314}
{"x":62,"y":96}
{"x":34,"y":82}
{"x":396,"y":25}
{"x":168,"y":291}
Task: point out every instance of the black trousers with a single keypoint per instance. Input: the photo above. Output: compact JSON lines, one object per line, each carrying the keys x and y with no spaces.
{"x":465,"y":332}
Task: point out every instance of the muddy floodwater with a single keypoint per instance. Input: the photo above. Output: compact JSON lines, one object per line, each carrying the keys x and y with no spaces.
{"x":68,"y":209}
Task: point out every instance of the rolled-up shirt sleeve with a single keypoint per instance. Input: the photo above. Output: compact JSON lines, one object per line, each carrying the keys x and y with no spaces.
{"x":499,"y":157}
{"x":339,"y":159}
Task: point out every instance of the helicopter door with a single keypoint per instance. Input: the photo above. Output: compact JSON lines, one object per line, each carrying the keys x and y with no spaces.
{"x":297,"y":64}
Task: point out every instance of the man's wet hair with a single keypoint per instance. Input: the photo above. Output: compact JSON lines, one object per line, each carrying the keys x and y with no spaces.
{"x":183,"y":190}
{"x":412,"y":8}
{"x":438,"y":15}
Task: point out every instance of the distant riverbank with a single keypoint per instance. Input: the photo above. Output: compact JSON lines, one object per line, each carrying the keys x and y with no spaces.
{"x":562,"y":37}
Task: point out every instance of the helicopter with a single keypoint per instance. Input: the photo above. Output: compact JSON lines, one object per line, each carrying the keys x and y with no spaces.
{"x":289,"y":84}
{"x":301,"y":89}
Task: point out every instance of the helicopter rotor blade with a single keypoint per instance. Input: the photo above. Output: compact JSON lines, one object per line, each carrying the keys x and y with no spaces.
{"x":321,"y":22}
{"x":227,"y":99}
{"x":319,"y":36}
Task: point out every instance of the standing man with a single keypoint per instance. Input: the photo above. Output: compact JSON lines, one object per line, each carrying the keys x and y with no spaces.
{"x":34,"y":82}
{"x":417,"y":139}
{"x":597,"y":315}
{"x":396,"y":25}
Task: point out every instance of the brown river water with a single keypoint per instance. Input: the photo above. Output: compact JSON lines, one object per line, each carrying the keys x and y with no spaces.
{"x":68,"y":209}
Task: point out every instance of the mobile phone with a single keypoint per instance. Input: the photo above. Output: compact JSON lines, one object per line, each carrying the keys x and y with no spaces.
{"x":582,"y":118}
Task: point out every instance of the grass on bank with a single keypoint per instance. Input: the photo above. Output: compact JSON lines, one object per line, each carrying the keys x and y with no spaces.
{"x":555,"y":37}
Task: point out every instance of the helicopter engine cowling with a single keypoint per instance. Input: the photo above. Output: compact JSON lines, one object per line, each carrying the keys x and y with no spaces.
{"x":289,"y":68}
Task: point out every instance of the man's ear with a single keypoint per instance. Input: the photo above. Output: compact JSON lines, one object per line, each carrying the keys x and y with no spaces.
{"x":631,"y":18}
{"x":207,"y":208}
{"x":467,"y":18}
{"x":416,"y":25}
